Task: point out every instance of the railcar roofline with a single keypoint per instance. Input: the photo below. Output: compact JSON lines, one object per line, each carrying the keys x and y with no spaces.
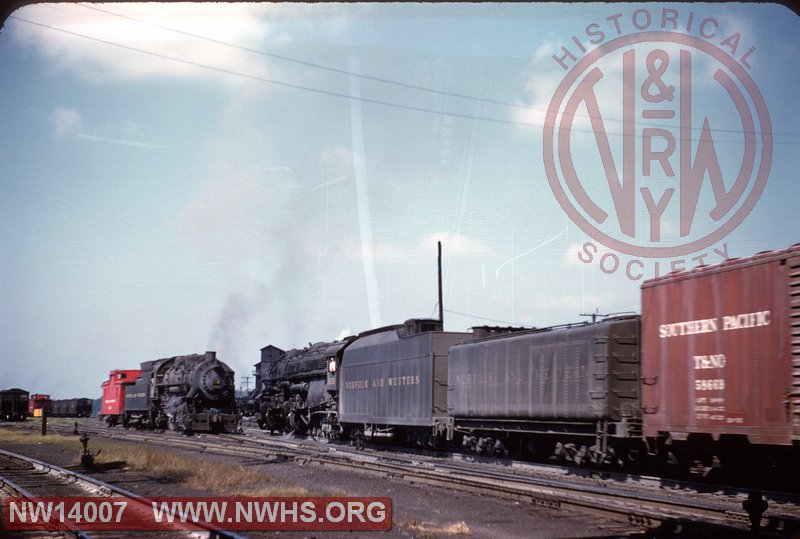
{"x":727,"y":265}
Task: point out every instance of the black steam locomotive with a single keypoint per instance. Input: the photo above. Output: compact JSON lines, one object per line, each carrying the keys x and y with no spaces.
{"x":299,"y":392}
{"x":193,"y":393}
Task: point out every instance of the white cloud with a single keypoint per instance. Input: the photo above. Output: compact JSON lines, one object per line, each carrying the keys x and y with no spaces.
{"x":571,"y":253}
{"x":77,"y":38}
{"x":455,"y":243}
{"x":351,"y":250}
{"x":66,"y":122}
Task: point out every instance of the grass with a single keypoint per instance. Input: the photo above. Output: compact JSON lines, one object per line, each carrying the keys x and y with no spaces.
{"x":15,"y":436}
{"x":429,"y":530}
{"x":189,"y":471}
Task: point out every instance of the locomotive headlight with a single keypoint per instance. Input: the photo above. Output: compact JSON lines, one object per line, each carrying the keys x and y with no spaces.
{"x":331,"y":364}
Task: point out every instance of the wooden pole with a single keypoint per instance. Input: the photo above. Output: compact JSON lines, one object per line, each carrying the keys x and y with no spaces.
{"x":441,"y":307}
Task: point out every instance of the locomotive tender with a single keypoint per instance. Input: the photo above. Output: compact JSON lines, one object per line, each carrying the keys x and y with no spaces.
{"x":193,"y":393}
{"x":710,"y":370}
{"x":394,"y":382}
{"x":572,"y":390}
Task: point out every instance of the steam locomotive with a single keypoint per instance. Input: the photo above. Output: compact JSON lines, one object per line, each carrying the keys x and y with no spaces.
{"x":709,"y":372}
{"x":299,"y":392}
{"x":193,"y":393}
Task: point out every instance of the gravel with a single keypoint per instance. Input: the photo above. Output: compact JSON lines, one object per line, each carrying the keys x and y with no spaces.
{"x":422,"y":511}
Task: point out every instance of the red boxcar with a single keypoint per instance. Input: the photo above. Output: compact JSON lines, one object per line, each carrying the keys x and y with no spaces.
{"x":721,"y":352}
{"x":114,"y":392}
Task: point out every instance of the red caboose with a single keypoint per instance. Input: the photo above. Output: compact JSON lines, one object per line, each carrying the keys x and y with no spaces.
{"x":721,"y":357}
{"x":113,"y":404}
{"x":38,"y":404}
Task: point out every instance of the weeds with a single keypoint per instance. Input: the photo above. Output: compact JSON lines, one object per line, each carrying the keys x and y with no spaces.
{"x":190,"y":471}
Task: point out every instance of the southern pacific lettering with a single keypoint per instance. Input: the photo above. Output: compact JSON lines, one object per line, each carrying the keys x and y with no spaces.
{"x":711,"y":325}
{"x":743,"y":321}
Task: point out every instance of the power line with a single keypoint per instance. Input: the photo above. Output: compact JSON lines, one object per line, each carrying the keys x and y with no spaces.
{"x":273,"y":81}
{"x":487,"y":319}
{"x":338,"y":94}
{"x":312,"y":64}
{"x":379,"y":79}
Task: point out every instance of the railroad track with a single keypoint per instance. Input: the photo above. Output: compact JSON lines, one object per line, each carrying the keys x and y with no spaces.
{"x":641,"y":502}
{"x":25,"y":477}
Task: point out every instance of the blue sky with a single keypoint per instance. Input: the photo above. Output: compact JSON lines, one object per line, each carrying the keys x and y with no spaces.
{"x":181,"y":178}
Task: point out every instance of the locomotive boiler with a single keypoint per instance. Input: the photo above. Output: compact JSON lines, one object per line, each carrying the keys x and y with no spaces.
{"x":299,"y":392}
{"x":192,"y":393}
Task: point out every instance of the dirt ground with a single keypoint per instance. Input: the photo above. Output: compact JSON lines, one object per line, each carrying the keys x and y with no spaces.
{"x":418,"y":511}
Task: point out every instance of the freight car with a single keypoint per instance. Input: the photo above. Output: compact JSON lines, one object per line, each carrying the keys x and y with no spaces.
{"x":721,"y":362}
{"x":193,"y":393}
{"x":71,"y":408}
{"x":38,"y":405}
{"x":14,"y":404}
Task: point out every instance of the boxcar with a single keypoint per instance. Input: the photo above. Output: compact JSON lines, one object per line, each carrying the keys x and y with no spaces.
{"x":576,"y":385}
{"x":397,"y":376}
{"x":14,"y":404}
{"x":721,"y":356}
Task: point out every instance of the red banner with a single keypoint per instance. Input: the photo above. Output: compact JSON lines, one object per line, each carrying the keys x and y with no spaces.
{"x":191,"y":513}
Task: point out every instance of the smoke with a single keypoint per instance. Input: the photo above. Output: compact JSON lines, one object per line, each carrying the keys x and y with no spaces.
{"x":234,"y":318}
{"x":344,"y":333}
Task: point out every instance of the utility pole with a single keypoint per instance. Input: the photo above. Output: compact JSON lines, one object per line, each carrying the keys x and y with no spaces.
{"x":594,"y":315}
{"x":441,"y":307}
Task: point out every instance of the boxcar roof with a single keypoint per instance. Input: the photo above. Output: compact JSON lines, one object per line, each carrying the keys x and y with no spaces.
{"x":728,"y":265}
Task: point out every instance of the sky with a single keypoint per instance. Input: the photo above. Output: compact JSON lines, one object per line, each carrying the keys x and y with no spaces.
{"x":187,"y":177}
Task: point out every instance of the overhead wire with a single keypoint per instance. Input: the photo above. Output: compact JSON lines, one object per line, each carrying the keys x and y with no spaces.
{"x":370,"y":77}
{"x":347,"y":72}
{"x":488,"y":319}
{"x":272,"y":81}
